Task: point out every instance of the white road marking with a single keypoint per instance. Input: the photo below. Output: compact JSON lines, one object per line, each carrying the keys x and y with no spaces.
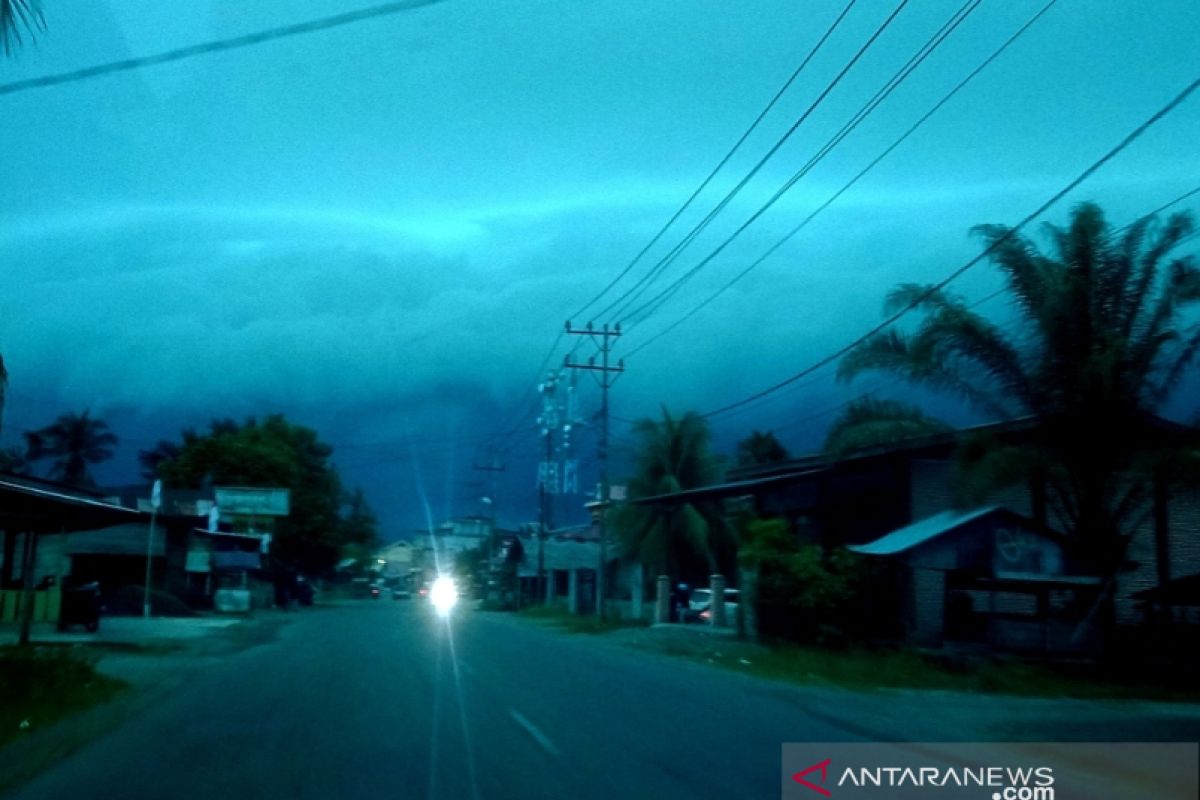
{"x":539,"y":737}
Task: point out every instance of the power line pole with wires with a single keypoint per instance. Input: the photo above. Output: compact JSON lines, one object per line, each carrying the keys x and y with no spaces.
{"x":495,"y":468}
{"x":547,"y":474}
{"x":608,"y":374}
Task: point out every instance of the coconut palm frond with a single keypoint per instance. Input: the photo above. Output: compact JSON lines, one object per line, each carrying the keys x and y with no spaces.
{"x":17,"y":17}
{"x":1028,"y":271}
{"x":957,"y":334}
{"x":871,"y":422}
{"x":1145,"y":275}
{"x":887,"y":351}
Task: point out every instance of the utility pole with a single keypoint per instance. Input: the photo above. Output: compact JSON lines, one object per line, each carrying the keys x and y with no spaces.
{"x":603,"y":339}
{"x":495,"y":468}
{"x":547,"y":473}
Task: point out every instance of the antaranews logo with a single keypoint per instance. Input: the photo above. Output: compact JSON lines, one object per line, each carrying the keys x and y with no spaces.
{"x":990,"y":771}
{"x":823,"y":766}
{"x":1008,"y":783}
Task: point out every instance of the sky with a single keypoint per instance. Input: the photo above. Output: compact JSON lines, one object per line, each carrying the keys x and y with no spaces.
{"x":380,"y":229}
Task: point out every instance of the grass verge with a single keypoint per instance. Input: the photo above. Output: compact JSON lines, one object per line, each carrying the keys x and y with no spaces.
{"x":41,"y":685}
{"x":575,"y":623}
{"x":865,"y":669}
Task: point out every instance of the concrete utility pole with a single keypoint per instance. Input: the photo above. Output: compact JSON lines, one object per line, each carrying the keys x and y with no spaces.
{"x":495,"y":468}
{"x":547,"y":473}
{"x":603,"y":339}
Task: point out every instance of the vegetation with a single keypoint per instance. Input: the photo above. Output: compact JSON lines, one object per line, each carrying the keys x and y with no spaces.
{"x":688,"y":540}
{"x":798,"y":590}
{"x":40,"y":686}
{"x":1102,"y":344}
{"x":574,"y":623}
{"x":325,"y":521}
{"x":874,"y":669}
{"x":72,"y":443}
{"x":18,"y":17}
{"x":871,"y":422}
{"x":760,"y":448}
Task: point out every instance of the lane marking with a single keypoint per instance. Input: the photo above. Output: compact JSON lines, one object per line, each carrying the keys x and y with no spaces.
{"x":539,"y":737}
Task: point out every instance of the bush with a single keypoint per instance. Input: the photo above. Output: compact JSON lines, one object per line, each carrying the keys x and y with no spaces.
{"x":40,"y":685}
{"x":801,"y":592}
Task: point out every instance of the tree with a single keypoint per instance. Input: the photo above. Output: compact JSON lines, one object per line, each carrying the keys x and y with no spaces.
{"x":74,"y":441}
{"x":871,"y":422}
{"x":277,"y":453}
{"x":688,"y":539}
{"x":760,"y":448}
{"x":1102,"y":345}
{"x":165,"y":450}
{"x":17,"y":16}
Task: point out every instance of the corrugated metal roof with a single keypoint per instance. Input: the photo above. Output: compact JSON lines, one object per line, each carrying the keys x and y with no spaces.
{"x":918,"y":533}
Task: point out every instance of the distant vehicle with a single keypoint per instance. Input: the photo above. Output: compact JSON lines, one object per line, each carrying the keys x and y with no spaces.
{"x":700,"y":606}
{"x":376,"y":591}
{"x":424,"y":590}
{"x":401,"y":593}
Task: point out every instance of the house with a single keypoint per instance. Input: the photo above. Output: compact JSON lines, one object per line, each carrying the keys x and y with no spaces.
{"x":984,"y":577}
{"x":31,"y":571}
{"x":861,"y":499}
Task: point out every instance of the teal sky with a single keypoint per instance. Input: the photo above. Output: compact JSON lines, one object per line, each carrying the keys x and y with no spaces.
{"x":380,"y":228}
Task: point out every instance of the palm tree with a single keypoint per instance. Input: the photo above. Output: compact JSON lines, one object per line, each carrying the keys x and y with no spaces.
{"x":760,"y":448}
{"x":1103,"y":345}
{"x":871,"y":422}
{"x":17,"y":16}
{"x":165,"y":450}
{"x":679,"y":539}
{"x":74,"y":441}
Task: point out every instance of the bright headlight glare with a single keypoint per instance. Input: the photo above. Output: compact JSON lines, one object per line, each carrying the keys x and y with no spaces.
{"x":443,"y":594}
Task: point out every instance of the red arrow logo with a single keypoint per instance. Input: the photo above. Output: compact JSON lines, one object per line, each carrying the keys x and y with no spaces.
{"x":823,"y":766}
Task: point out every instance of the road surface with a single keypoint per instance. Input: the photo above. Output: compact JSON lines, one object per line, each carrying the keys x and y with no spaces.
{"x":382,"y":700}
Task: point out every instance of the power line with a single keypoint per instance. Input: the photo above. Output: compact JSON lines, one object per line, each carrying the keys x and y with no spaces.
{"x":902,"y":74}
{"x":622,"y":312}
{"x":704,"y":184}
{"x":216,"y":46}
{"x":886,"y":152}
{"x":890,"y":320}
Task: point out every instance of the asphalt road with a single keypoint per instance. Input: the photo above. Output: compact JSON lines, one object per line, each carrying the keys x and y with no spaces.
{"x":383,"y":700}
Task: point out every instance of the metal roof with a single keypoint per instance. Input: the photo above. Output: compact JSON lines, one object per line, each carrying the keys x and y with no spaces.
{"x":918,"y":533}
{"x":32,"y":507}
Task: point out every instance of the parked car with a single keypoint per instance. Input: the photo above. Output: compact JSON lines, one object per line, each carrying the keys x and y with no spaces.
{"x":376,"y":591}
{"x":700,"y":606}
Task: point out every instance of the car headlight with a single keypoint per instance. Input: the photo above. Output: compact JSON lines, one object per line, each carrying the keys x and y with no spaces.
{"x":443,"y":594}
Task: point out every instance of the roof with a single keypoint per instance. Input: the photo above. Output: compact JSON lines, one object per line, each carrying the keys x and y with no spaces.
{"x":918,"y":533}
{"x":119,"y":540}
{"x":731,"y":488}
{"x":39,"y":505}
{"x":205,"y":532}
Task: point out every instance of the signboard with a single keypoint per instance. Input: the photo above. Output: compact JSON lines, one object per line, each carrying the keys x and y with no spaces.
{"x":253,"y":501}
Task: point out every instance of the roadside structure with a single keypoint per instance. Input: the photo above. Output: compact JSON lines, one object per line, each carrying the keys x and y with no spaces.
{"x":875,"y":499}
